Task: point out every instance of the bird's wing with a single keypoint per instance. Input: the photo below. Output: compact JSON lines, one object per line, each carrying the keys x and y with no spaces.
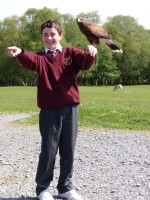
{"x":97,"y":30}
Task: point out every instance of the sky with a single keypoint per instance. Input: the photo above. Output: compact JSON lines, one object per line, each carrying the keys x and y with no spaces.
{"x":106,"y":8}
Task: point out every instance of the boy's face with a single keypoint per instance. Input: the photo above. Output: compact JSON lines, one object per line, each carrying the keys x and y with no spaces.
{"x":51,"y":38}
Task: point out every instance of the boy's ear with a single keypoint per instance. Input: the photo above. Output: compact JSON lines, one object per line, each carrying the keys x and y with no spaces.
{"x":61,"y":35}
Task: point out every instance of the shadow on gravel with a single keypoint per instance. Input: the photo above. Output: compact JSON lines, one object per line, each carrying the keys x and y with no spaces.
{"x":29,"y":198}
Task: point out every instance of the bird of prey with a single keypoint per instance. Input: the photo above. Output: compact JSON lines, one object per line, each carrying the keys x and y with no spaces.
{"x":95,"y":32}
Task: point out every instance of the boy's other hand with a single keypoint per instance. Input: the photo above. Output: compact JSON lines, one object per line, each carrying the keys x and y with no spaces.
{"x":90,"y":49}
{"x":13,"y":51}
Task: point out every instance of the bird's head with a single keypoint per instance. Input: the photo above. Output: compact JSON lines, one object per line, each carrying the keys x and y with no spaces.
{"x":80,"y":20}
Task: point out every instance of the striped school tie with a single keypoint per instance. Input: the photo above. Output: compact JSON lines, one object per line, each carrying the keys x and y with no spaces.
{"x":52,"y":53}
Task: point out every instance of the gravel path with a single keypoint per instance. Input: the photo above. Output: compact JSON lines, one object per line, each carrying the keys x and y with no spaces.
{"x":109,"y":164}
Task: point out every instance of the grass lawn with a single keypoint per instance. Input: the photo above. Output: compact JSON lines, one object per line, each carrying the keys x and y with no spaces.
{"x":100,"y":107}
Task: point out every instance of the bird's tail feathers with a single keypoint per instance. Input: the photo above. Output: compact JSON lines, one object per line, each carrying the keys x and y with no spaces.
{"x":112,"y":46}
{"x":117,"y":51}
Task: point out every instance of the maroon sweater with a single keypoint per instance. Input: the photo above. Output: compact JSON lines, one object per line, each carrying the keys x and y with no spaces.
{"x":57,"y":77}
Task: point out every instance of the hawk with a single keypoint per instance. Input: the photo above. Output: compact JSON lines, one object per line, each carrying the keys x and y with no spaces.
{"x":94,"y":33}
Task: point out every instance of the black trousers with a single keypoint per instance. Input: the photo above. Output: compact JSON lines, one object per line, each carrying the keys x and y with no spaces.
{"x":58,"y":128}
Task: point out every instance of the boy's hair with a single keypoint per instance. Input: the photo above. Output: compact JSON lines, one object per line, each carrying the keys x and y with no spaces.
{"x":52,"y":24}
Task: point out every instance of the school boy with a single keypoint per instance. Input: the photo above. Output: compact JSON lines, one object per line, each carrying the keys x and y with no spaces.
{"x":58,"y":99}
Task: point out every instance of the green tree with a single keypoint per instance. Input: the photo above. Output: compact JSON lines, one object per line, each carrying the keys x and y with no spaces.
{"x":106,"y":67}
{"x":131,"y":37}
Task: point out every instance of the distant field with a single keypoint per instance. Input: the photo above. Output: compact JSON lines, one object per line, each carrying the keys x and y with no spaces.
{"x":100,"y":107}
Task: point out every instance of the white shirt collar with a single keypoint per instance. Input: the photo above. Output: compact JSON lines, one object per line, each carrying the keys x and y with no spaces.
{"x":59,"y":47}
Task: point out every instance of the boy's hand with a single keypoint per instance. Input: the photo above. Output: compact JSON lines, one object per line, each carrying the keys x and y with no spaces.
{"x":91,"y":50}
{"x":13,"y":51}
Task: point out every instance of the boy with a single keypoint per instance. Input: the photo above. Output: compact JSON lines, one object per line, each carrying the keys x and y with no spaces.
{"x":58,"y":99}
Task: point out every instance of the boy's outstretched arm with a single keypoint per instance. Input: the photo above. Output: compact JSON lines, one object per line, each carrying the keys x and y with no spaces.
{"x":13,"y":51}
{"x":90,"y":49}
